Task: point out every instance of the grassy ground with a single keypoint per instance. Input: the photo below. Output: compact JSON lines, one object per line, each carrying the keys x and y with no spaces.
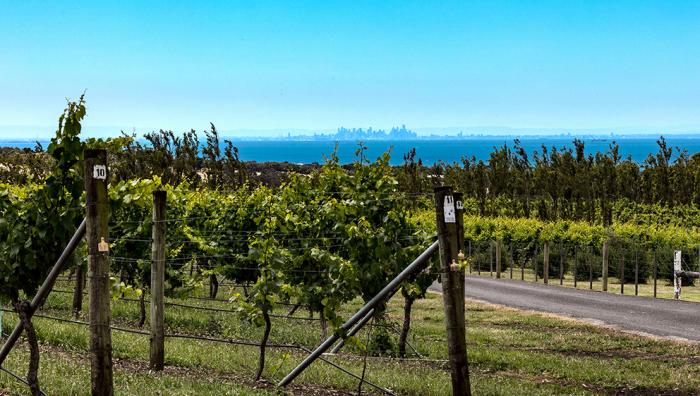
{"x":664,"y":289}
{"x":510,"y":352}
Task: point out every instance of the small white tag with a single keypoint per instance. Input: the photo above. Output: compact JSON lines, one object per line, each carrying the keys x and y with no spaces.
{"x":103,"y":246}
{"x":99,"y":172}
{"x":459,"y":205}
{"x":449,"y":208}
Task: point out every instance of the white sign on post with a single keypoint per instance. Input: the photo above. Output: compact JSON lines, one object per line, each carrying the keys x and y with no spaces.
{"x":449,"y":208}
{"x":99,"y":172}
{"x":676,"y":279}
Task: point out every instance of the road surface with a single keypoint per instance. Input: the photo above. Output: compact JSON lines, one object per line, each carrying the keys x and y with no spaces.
{"x":658,"y":317}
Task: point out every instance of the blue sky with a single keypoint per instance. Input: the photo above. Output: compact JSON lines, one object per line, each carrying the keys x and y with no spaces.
{"x":322,"y":64}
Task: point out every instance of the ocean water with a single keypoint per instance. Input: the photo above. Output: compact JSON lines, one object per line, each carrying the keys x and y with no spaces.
{"x":431,"y":151}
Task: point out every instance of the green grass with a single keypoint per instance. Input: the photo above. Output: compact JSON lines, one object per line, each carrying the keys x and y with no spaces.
{"x":510,"y":352}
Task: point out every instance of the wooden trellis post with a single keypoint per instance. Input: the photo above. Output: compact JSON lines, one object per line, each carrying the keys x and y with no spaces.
{"x":97,"y":203}
{"x":606,"y":247}
{"x":562,"y":254}
{"x":677,"y":267}
{"x":448,"y":237}
{"x":498,"y":258}
{"x":157,"y":355}
{"x":545,"y":263}
{"x":459,"y":211}
{"x":636,"y":271}
{"x":79,"y":286}
{"x":574,"y":269}
{"x":622,"y":273}
{"x":656,"y":273}
{"x":590,"y":267}
{"x":510,"y":251}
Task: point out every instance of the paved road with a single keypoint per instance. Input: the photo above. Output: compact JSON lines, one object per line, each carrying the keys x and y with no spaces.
{"x":666,"y":318}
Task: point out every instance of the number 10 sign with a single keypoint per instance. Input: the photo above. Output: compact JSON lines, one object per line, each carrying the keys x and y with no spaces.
{"x":99,"y":172}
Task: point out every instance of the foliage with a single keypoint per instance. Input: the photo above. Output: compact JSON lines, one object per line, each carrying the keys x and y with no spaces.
{"x":177,"y":159}
{"x":568,"y":184}
{"x":37,"y":222}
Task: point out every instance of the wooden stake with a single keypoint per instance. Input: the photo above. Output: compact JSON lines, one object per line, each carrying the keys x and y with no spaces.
{"x":79,"y":286}
{"x":478,"y":261}
{"x":157,"y":356}
{"x":655,"y":271}
{"x":561,"y":264}
{"x":510,"y":251}
{"x":459,"y":206}
{"x":590,"y":268}
{"x":622,"y":274}
{"x":522,"y":270}
{"x":446,"y":214}
{"x":636,"y":271}
{"x":470,"y":254}
{"x":545,"y":264}
{"x":575,"y":265}
{"x":98,"y":271}
{"x":535,"y":262}
{"x":605,"y":265}
{"x":498,"y":259}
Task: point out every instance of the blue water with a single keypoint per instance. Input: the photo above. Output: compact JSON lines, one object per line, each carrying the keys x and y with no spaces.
{"x":431,"y":151}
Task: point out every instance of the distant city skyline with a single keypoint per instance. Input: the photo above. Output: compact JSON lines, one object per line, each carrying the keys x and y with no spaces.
{"x":10,"y":132}
{"x":268,"y":66}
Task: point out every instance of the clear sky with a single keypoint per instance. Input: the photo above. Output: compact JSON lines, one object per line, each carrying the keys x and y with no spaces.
{"x":323,"y":64}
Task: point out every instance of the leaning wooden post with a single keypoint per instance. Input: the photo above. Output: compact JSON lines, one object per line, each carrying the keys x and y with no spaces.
{"x":98,"y":271}
{"x":446,"y":218}
{"x":157,"y":279}
{"x":498,"y":258}
{"x":545,"y":262}
{"x":606,"y":246}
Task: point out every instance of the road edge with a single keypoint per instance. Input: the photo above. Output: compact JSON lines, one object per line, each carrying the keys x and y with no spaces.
{"x":588,"y":321}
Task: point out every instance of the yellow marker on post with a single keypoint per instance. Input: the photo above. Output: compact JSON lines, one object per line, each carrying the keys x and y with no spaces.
{"x":103,"y":246}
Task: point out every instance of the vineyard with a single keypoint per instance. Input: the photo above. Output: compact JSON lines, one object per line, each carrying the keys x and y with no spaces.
{"x":247,"y":279}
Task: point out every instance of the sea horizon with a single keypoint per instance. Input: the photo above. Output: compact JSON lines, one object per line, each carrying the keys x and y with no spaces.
{"x":430,"y":150}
